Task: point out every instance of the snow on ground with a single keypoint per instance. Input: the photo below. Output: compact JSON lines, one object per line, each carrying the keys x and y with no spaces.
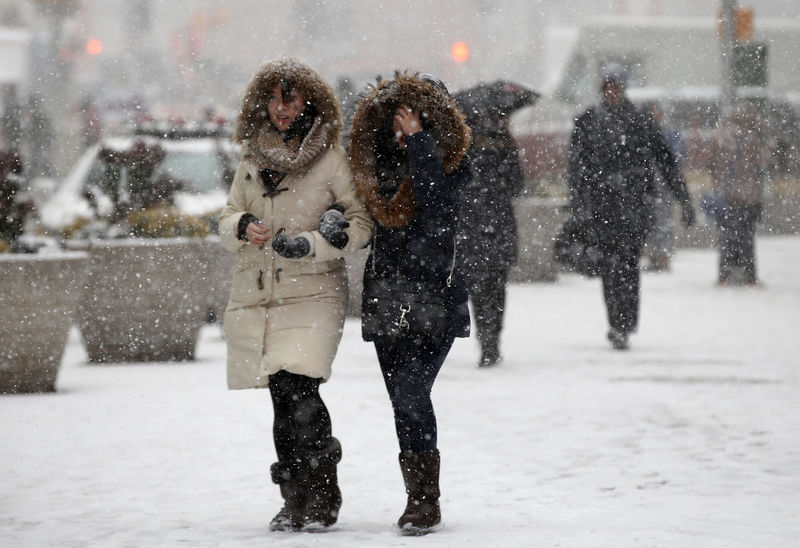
{"x":690,"y":439}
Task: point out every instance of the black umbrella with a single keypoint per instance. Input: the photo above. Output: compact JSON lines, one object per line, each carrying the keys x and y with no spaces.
{"x":493,"y":101}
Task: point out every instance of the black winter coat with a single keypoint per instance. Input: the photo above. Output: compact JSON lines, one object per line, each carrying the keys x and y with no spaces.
{"x":612,"y":157}
{"x":488,"y":231}
{"x":423,"y":251}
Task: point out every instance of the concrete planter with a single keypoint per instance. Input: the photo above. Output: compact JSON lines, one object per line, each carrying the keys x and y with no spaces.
{"x":38,"y":296}
{"x":538,"y":222}
{"x":220,"y":276}
{"x":145,"y":299}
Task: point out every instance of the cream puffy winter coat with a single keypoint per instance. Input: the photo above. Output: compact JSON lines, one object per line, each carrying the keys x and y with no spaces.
{"x":287,"y":314}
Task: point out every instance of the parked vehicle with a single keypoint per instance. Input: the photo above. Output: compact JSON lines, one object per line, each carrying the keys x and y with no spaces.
{"x":200,"y":160}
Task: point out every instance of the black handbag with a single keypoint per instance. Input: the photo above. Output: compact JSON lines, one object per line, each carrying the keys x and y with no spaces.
{"x":401,"y":308}
{"x":404,"y":309}
{"x":577,"y":249}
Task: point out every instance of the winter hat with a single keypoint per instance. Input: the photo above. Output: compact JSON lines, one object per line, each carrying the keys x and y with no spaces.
{"x":614,"y":73}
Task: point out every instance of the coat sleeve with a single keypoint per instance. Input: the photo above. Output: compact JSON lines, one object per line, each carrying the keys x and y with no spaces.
{"x":345,"y":194}
{"x":233,"y":211}
{"x":425,"y":165}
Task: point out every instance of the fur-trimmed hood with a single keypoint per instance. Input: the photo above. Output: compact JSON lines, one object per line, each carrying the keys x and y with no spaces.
{"x":253,"y":114}
{"x":373,"y":119}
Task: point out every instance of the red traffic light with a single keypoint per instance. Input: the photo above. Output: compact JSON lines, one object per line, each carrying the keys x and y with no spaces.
{"x":460,"y":52}
{"x":94,"y":46}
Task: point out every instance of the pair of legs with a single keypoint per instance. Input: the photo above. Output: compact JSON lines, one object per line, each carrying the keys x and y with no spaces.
{"x":487,"y":289}
{"x":301,"y":419}
{"x":307,"y":454}
{"x":621,"y":291}
{"x":660,"y":240}
{"x":409,"y":370}
{"x":737,"y":232}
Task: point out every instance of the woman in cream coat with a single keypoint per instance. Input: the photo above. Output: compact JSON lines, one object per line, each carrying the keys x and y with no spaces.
{"x":292,"y":214}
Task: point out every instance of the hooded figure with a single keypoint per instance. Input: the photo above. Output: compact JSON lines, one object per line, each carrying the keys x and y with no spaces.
{"x":614,"y":151}
{"x":292,"y":214}
{"x":408,"y":147}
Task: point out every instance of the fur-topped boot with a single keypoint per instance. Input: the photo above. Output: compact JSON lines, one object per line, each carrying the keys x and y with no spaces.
{"x":289,"y":477}
{"x":421,"y":476}
{"x":324,"y":499}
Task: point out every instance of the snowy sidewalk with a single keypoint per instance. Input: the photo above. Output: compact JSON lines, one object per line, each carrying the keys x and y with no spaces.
{"x":691,"y":439}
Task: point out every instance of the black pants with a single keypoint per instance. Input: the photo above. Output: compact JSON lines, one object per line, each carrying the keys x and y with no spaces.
{"x":409,"y":371}
{"x":302,"y":422}
{"x":737,"y":234}
{"x":621,"y":286}
{"x":488,"y":293}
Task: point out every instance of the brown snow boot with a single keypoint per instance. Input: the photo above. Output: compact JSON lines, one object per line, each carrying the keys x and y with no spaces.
{"x":421,"y":476}
{"x":322,"y":486}
{"x":289,"y":478}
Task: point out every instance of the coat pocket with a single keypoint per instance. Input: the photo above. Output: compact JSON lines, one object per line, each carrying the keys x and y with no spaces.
{"x":250,"y":286}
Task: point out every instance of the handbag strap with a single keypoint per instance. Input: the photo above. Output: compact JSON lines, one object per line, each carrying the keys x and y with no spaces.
{"x":449,"y":280}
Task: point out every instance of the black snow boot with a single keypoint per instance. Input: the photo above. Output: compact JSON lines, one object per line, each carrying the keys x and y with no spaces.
{"x":322,"y":486}
{"x":421,"y":476}
{"x":288,"y":475}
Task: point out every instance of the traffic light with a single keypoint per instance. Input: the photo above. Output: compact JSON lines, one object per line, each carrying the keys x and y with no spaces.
{"x":94,"y":46}
{"x":749,"y":65}
{"x":460,"y":52}
{"x":743,"y":24}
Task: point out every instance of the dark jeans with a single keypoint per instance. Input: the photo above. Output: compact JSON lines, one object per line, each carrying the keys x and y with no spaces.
{"x":621,"y":286}
{"x":488,"y":293}
{"x":409,"y":370}
{"x":737,"y":233}
{"x":302,"y":421}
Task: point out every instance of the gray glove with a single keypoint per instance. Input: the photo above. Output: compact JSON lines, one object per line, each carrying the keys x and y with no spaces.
{"x":291,"y":248}
{"x":331,"y":227}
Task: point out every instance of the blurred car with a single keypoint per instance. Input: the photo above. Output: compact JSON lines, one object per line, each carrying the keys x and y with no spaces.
{"x":199,"y":160}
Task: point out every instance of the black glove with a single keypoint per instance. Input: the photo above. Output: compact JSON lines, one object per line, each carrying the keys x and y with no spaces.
{"x":331,"y":227}
{"x":241,"y":228}
{"x":687,"y":214}
{"x":291,"y":248}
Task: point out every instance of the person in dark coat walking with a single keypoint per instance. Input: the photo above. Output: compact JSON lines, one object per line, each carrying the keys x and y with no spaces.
{"x":487,"y":237}
{"x":614,"y":149}
{"x":409,"y":148}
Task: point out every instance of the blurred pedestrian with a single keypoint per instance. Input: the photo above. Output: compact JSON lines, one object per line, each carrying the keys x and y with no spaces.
{"x":11,"y":121}
{"x":13,"y":210}
{"x":614,"y":149}
{"x":660,"y":241}
{"x":41,"y":135}
{"x":488,"y":229}
{"x":739,"y":169}
{"x":409,"y":152}
{"x":287,"y":307}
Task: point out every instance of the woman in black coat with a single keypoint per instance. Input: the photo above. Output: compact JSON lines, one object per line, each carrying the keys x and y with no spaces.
{"x":408,"y":147}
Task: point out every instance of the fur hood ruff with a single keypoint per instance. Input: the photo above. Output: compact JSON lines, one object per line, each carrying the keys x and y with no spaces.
{"x":254,"y":131}
{"x":375,"y":111}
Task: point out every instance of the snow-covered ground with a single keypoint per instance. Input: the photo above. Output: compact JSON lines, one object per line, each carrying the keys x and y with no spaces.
{"x":690,"y":439}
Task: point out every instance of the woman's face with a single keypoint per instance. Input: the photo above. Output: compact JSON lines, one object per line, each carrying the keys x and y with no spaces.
{"x":283,"y":112}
